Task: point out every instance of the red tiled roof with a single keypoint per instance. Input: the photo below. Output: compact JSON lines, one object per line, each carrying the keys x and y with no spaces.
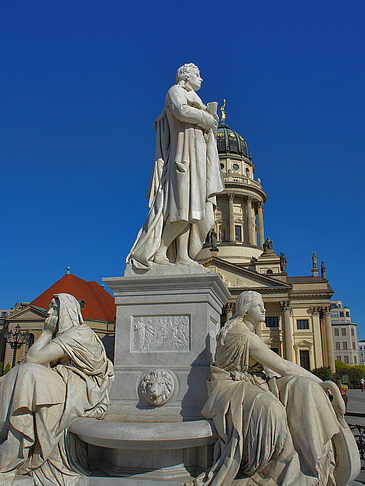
{"x":99,"y":303}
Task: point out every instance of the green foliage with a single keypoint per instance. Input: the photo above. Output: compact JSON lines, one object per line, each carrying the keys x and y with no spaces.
{"x":324,"y":374}
{"x":354,"y":373}
{"x":7,"y":368}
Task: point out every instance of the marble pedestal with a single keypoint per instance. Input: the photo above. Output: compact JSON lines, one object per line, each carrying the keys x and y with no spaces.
{"x":165,"y":324}
{"x":169,"y":323}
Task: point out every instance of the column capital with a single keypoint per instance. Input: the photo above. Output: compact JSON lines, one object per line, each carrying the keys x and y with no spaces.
{"x":315,"y":311}
{"x":326,"y":310}
{"x":230,"y":306}
{"x":285,"y":305}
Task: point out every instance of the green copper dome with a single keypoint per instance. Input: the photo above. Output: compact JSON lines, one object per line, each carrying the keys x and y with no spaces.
{"x":229,"y":141}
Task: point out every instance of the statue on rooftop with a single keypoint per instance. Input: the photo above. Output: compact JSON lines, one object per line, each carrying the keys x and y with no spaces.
{"x":275,"y":422}
{"x":267,"y":245}
{"x":66,"y":375}
{"x":185,"y":179}
{"x":323,"y":270}
{"x":314,"y":260}
{"x":283,"y":262}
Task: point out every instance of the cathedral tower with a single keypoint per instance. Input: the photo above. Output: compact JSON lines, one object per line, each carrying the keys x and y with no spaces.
{"x":239,"y":222}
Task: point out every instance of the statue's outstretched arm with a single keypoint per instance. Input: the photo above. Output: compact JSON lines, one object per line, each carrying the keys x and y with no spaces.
{"x":264,"y":355}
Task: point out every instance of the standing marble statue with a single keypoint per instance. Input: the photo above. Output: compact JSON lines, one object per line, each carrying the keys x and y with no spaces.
{"x":186,"y":176}
{"x":274,"y":419}
{"x":66,"y":375}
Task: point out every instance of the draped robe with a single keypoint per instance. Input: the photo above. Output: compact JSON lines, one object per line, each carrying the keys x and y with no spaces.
{"x":186,"y":176}
{"x":38,"y":403}
{"x":278,"y":431}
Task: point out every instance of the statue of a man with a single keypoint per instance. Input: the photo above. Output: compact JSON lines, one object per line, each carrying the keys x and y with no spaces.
{"x":283,"y":262}
{"x":314,"y":260}
{"x":323,"y":270}
{"x":185,"y":179}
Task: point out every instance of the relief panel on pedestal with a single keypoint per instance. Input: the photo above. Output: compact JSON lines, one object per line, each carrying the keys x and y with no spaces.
{"x":161,"y":333}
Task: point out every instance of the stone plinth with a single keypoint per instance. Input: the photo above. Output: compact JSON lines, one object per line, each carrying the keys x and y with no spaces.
{"x":166,"y":324}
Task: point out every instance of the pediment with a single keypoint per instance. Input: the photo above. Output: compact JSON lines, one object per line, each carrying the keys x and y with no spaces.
{"x":235,"y":276}
{"x":303,"y":343}
{"x":29,"y":313}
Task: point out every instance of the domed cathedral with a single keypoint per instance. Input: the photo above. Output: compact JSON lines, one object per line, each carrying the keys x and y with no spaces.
{"x":298,"y":324}
{"x":239,"y":226}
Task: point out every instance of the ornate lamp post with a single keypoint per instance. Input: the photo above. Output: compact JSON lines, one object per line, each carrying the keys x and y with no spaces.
{"x":16,"y":339}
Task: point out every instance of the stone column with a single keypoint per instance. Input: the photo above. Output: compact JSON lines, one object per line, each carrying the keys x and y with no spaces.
{"x":288,"y":332}
{"x":250,"y":222}
{"x":260,"y":221}
{"x":326,"y":311}
{"x":318,"y":343}
{"x":230,"y":216}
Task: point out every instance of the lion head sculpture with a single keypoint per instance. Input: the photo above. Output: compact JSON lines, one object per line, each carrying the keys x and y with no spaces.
{"x":157,"y":387}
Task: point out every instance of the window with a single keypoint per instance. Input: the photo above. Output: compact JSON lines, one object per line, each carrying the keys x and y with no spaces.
{"x":343,"y":331}
{"x":269,"y":271}
{"x":344,"y":345}
{"x":272,"y":321}
{"x":236,"y":166}
{"x":346,"y":359}
{"x":302,"y":324}
{"x":247,"y":172}
{"x":355,"y":359}
{"x":341,"y":314}
{"x":347,"y":314}
{"x":276,"y":350}
{"x":336,"y":332}
{"x":338,"y":345}
{"x":353,"y":345}
{"x":304,"y":359}
{"x":238,"y":233}
{"x":338,"y":358}
{"x":222,"y":165}
{"x":352,"y":332}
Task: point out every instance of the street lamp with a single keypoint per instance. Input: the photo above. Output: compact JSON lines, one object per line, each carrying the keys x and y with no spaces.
{"x":16,"y":339}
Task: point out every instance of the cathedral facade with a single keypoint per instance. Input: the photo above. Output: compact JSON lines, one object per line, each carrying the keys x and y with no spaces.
{"x":298,"y":320}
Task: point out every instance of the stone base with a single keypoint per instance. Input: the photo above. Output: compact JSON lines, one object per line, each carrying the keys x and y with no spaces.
{"x":145,"y":452}
{"x":165,"y":324}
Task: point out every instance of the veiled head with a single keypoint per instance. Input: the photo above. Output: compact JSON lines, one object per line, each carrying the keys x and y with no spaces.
{"x":69,"y":312}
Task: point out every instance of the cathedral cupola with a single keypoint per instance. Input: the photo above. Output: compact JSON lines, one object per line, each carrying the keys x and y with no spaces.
{"x":239,"y":225}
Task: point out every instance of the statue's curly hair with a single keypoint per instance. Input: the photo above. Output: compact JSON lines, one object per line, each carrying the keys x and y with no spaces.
{"x":184,"y":71}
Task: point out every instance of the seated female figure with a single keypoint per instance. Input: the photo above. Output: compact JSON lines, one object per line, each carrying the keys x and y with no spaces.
{"x":66,"y":375}
{"x":275,"y":422}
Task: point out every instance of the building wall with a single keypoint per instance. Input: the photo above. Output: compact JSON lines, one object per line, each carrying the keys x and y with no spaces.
{"x":345,"y":340}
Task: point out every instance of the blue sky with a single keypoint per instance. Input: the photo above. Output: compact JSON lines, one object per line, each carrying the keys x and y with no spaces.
{"x":82,"y":83}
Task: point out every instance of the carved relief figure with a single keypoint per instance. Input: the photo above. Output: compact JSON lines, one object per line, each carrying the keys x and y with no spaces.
{"x":66,"y":375}
{"x":185,"y":178}
{"x":157,"y":387}
{"x":166,"y":333}
{"x":274,"y":419}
